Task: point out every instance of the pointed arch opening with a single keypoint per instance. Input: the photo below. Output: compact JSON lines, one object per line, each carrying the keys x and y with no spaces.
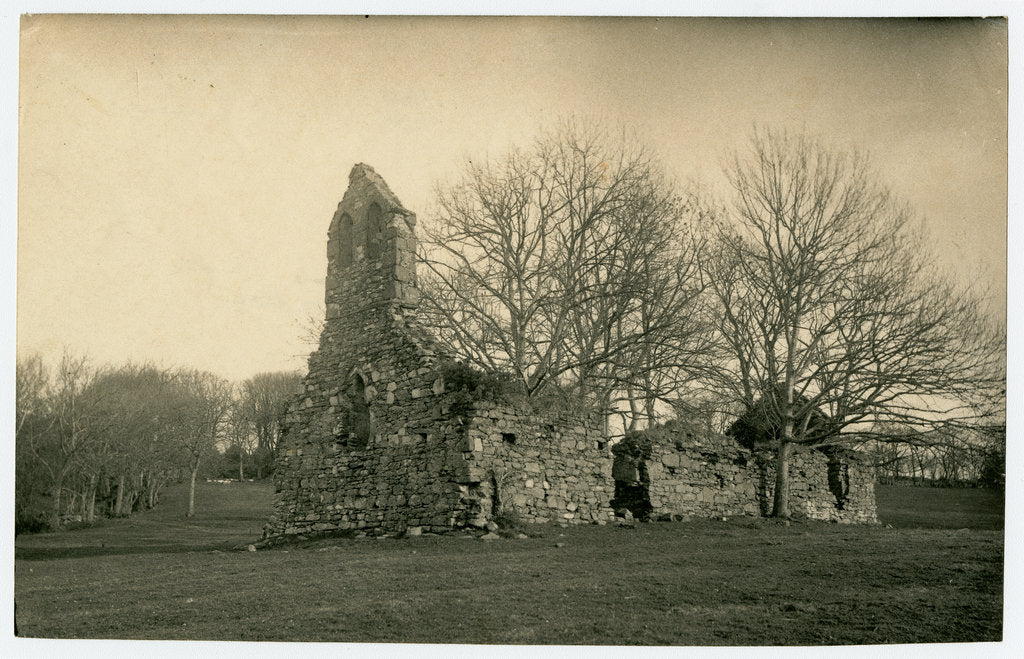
{"x":358,"y":421}
{"x":345,"y":240}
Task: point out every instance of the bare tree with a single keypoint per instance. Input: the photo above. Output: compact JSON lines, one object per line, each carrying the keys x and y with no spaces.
{"x":311,"y":329}
{"x":33,"y":432}
{"x":31,"y":381}
{"x":131,"y":447}
{"x":85,"y":428}
{"x":241,"y":435}
{"x":109,"y":435}
{"x":65,"y":420}
{"x":830,"y":304}
{"x":200,"y":409}
{"x":262,"y":401}
{"x":570,"y":268}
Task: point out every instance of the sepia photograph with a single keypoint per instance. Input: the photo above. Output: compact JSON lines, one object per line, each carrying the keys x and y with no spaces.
{"x":458,"y":334}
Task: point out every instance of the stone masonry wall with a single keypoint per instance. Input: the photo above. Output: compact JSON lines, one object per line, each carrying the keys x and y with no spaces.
{"x":541,"y":468}
{"x":698,"y":474}
{"x":836,"y":488}
{"x":374,"y":440}
{"x":694,"y":475}
{"x":362,"y":445}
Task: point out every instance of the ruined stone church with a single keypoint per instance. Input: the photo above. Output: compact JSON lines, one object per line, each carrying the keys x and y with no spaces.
{"x":378,"y":441}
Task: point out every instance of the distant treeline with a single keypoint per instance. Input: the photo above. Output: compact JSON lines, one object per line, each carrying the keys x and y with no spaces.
{"x":101,"y":441}
{"x":968,"y":458}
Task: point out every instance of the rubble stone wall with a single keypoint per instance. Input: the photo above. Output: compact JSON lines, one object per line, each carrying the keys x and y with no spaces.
{"x":838,"y":486}
{"x":693,"y":475}
{"x":375,"y":441}
{"x":541,"y":468}
{"x":362,"y":445}
{"x":698,"y":474}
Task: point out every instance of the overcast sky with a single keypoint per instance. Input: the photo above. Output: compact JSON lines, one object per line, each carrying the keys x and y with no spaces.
{"x":177,"y":175}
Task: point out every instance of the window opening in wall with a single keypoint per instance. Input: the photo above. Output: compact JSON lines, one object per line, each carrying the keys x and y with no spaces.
{"x":495,"y":496}
{"x":601,"y":445}
{"x":374,"y":229}
{"x":508,"y":437}
{"x":358,"y":421}
{"x":345,"y":240}
{"x":839,"y":480}
{"x":632,"y":489}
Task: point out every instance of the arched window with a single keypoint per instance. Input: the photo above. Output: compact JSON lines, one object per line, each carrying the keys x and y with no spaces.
{"x":374,"y":231}
{"x":358,"y":421}
{"x":345,"y":240}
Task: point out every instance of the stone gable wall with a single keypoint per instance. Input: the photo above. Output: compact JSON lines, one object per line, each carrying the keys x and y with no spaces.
{"x":326,"y":478}
{"x":375,"y":441}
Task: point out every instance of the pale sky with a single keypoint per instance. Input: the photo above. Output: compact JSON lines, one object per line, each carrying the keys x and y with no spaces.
{"x":177,"y":175}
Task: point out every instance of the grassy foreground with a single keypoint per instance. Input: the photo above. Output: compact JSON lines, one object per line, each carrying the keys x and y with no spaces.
{"x":940,"y":507}
{"x":740,"y":582}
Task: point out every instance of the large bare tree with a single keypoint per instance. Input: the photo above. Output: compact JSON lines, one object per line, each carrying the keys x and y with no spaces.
{"x":569,"y":267}
{"x":832,"y":308}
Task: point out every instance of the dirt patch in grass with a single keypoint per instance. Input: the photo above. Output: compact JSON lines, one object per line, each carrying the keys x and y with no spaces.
{"x":742,"y":582}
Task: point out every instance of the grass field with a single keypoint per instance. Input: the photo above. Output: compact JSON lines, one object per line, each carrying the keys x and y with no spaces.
{"x":940,"y":508}
{"x":740,"y":582}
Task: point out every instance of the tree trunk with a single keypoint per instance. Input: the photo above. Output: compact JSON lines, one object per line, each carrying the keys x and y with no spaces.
{"x":90,"y":512}
{"x":649,"y":407}
{"x":241,"y":461}
{"x":119,"y":503}
{"x":192,"y":490}
{"x":57,"y":488}
{"x":780,"y":504}
{"x":135,"y":497}
{"x":158,"y":483}
{"x":150,"y":485}
{"x":129,"y":502}
{"x":634,"y":410}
